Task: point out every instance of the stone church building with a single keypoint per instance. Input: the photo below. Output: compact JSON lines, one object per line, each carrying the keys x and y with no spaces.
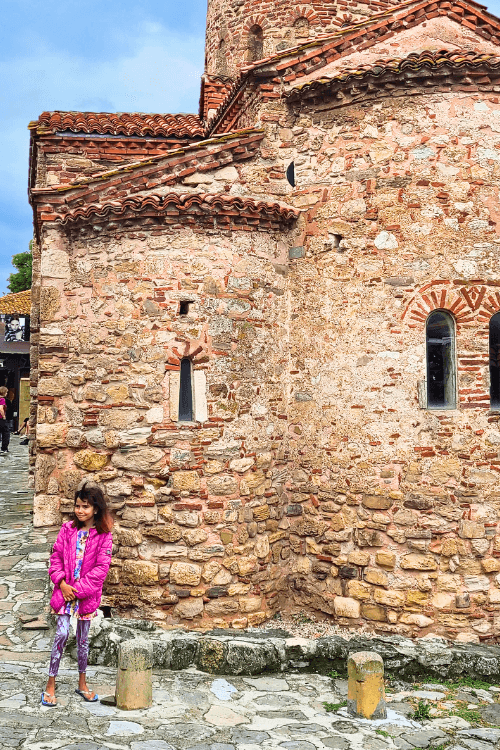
{"x":272,"y":330}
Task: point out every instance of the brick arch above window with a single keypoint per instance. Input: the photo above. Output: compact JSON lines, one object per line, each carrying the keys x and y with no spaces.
{"x":470,"y":303}
{"x":198,"y":350}
{"x":256,"y":20}
{"x":303,"y":11}
{"x":343,"y":20}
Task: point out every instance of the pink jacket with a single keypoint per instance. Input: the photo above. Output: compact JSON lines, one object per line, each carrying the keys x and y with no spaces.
{"x":95,"y":566}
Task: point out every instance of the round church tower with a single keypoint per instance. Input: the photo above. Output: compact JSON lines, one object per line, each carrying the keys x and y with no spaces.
{"x":240,"y":32}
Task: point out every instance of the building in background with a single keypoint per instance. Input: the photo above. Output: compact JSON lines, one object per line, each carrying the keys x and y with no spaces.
{"x":15,"y":352}
{"x":272,"y":330}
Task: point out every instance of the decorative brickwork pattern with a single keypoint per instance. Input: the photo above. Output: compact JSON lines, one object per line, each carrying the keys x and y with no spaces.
{"x":231,"y":22}
{"x":294,"y":64}
{"x":468,"y":304}
{"x":162,"y":170}
{"x":472,"y":306}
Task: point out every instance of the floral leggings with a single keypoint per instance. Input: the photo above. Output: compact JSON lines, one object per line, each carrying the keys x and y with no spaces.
{"x":60,"y":639}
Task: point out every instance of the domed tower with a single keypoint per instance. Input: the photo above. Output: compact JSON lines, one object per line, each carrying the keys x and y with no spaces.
{"x":243,"y":31}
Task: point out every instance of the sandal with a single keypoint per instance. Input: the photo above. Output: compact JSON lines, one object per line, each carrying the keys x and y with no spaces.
{"x":84,"y":693}
{"x":46,"y":703}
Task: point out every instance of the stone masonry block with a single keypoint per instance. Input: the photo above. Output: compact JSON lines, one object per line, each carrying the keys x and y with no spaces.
{"x":386,"y":559}
{"x":418,"y":562}
{"x":346,"y":607}
{"x":140,"y":572}
{"x":187,"y":574}
{"x":186,"y":480}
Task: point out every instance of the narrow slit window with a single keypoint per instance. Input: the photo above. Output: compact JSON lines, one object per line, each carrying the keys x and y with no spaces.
{"x":186,"y":392}
{"x":335,"y":240}
{"x":441,"y":369}
{"x":184,"y":307}
{"x":222,"y":58}
{"x":255,"y":43}
{"x":495,"y":362}
{"x":301,"y":27}
{"x":290,"y":173}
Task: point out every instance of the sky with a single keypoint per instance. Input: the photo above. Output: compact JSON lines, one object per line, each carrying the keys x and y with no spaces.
{"x":90,"y":56}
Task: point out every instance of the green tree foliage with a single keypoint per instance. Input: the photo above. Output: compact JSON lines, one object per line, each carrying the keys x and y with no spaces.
{"x":21,"y":280}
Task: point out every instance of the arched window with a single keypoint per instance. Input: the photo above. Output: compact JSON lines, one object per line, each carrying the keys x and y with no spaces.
{"x":301,"y":27}
{"x":186,"y":392}
{"x":495,"y":362}
{"x":441,"y":368}
{"x":255,"y":43}
{"x":222,"y":58}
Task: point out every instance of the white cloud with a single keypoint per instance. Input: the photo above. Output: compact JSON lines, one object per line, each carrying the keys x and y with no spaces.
{"x":158,"y":71}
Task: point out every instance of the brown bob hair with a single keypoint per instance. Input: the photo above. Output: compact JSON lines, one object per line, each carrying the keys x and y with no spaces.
{"x":94,"y":496}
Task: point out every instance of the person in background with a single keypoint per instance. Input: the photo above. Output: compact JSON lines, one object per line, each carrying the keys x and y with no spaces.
{"x":26,"y":427}
{"x":9,"y":412}
{"x":14,"y":331}
{"x":4,"y":429}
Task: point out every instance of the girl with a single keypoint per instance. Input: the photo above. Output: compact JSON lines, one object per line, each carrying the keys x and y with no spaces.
{"x":78,"y":567}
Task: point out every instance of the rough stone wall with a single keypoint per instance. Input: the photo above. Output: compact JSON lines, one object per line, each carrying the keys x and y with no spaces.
{"x":397,"y":506}
{"x":201,"y":531}
{"x":34,"y":348}
{"x":314,"y":477}
{"x":284,"y":25}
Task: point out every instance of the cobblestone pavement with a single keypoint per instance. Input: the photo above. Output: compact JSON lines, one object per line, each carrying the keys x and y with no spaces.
{"x":24,"y":552}
{"x":193,"y":710}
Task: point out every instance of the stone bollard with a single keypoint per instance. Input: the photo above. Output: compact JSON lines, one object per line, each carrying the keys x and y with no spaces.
{"x":134,"y":687}
{"x":366,"y":693}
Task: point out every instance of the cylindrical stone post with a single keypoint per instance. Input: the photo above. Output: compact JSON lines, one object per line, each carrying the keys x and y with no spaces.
{"x":366,"y":692}
{"x":134,"y":681}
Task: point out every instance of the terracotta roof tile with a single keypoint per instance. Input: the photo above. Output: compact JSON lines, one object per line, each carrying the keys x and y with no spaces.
{"x":163,"y":203}
{"x":415,"y":61}
{"x":121,"y":123}
{"x":190,"y":154}
{"x":294,"y":62}
{"x":16,"y":303}
{"x":385,"y":15}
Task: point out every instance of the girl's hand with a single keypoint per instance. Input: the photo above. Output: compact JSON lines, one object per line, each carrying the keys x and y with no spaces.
{"x":67,"y":591}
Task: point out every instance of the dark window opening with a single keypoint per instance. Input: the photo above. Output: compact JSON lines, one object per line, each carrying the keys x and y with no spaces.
{"x":255,"y":43}
{"x":441,"y":378}
{"x":335,"y":240}
{"x":106,"y":611}
{"x":301,"y":27}
{"x":185,"y":392}
{"x":290,"y":173}
{"x":222,"y":58}
{"x":184,"y":307}
{"x":495,"y":362}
